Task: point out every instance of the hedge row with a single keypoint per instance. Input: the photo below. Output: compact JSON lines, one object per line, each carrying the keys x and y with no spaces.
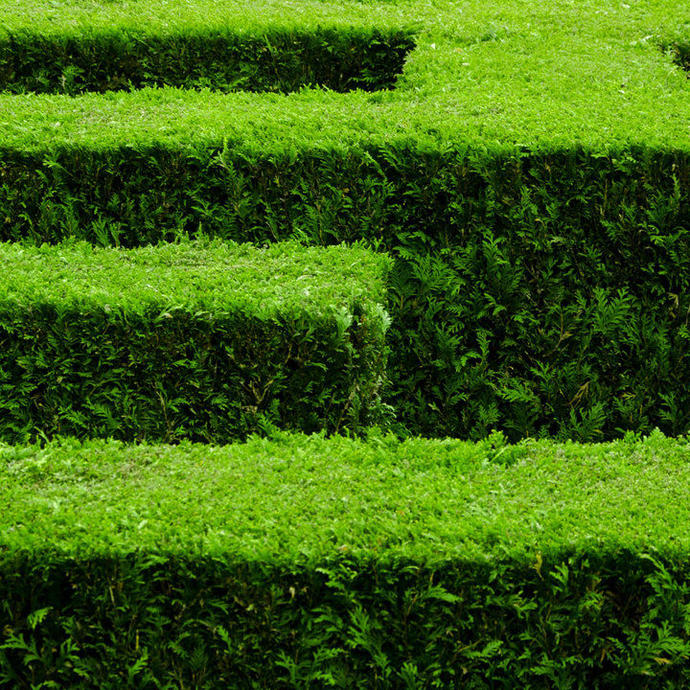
{"x":542,"y":294}
{"x":305,"y":562}
{"x":282,"y":61}
{"x":201,"y":341}
{"x":529,"y":173}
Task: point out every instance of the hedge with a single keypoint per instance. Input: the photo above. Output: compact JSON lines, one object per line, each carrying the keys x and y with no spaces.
{"x":529,"y":173}
{"x":311,"y":562}
{"x":273,"y":61}
{"x":549,"y":297}
{"x":206,"y":341}
{"x":681,"y":54}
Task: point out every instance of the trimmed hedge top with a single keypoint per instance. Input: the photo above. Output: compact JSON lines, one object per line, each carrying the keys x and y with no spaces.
{"x":506,"y":75}
{"x":302,"y":499}
{"x":93,"y":17}
{"x":202,"y":275}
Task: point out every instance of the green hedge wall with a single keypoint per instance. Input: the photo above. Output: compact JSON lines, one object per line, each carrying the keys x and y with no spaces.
{"x":283,"y":60}
{"x":207,"y":342}
{"x":305,"y":562}
{"x":538,"y":293}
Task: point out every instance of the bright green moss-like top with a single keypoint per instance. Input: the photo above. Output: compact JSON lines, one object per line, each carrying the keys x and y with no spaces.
{"x":209,"y":276}
{"x":519,"y":73}
{"x":300,"y":499}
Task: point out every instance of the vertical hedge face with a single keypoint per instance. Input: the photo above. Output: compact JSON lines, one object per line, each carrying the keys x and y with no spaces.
{"x":543,"y":295}
{"x":277,"y":61}
{"x":681,"y":54}
{"x":204,"y":379}
{"x":213,"y":624}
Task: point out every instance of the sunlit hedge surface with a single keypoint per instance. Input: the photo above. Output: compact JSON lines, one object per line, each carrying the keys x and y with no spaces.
{"x":300,"y":561}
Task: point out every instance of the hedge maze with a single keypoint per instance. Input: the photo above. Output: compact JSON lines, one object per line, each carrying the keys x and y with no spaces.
{"x":344,"y":344}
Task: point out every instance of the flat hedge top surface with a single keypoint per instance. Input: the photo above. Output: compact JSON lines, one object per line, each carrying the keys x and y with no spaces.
{"x":210,"y":275}
{"x":61,"y":17}
{"x":547,"y":74}
{"x":301,"y":499}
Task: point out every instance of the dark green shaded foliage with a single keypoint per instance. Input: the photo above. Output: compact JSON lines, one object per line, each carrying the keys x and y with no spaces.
{"x":89,"y":348}
{"x":154,"y":622}
{"x":540,"y":294}
{"x":681,"y":55}
{"x":280,"y":61}
{"x":305,"y":562}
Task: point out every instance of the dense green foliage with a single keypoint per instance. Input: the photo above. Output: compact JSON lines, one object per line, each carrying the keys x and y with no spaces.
{"x":202,"y":341}
{"x":513,"y":179}
{"x":529,"y":173}
{"x":306,"y":562}
{"x":109,"y":61}
{"x":551,"y":297}
{"x":681,"y":53}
